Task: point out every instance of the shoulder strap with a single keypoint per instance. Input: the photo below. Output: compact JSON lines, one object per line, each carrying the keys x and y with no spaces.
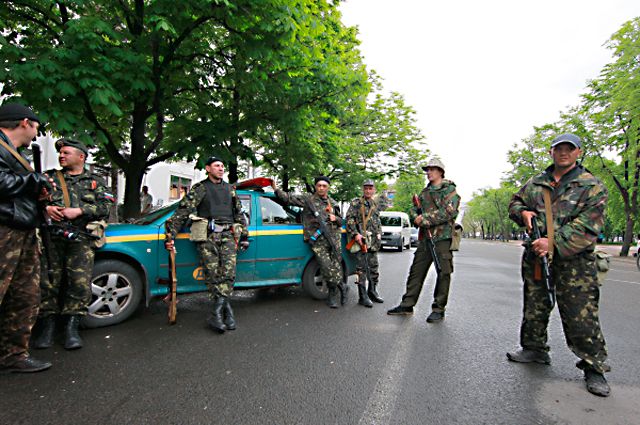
{"x":65,"y":189}
{"x":546,"y":194}
{"x":15,"y":153}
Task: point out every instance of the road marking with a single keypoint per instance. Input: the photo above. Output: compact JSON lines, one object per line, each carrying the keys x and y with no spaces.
{"x":382,"y":401}
{"x":624,"y":281}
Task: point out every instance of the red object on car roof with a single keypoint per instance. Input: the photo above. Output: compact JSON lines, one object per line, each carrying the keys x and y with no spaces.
{"x":258,"y":182}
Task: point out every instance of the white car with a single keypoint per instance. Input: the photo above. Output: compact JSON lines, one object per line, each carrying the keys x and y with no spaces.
{"x":396,"y":230}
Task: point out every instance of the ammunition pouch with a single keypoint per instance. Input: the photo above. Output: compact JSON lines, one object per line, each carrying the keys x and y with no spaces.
{"x":199,"y":228}
{"x":603,"y":261}
{"x":456,"y":237}
{"x":97,"y":228}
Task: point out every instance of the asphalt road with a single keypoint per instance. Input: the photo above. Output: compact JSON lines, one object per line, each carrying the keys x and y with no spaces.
{"x":292,"y":360}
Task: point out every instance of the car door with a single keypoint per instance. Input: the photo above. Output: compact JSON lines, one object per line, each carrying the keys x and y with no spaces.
{"x":282,"y":253}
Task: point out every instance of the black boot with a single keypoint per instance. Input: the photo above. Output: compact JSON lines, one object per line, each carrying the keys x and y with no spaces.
{"x":363,"y":298}
{"x":47,"y":328}
{"x":344,"y":292}
{"x":72,"y":340}
{"x":229,"y":320}
{"x":373,"y":293}
{"x":216,"y":322}
{"x":332,"y":302}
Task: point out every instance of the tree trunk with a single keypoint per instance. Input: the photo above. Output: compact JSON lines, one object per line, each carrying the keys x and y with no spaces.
{"x":628,"y":238}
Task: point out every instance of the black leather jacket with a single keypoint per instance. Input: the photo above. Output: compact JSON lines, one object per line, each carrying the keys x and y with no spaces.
{"x":19,"y":191}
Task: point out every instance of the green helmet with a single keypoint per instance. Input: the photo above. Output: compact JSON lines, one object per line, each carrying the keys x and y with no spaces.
{"x":434,"y":162}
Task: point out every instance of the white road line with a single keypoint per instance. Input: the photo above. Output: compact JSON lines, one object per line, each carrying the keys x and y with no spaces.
{"x":382,"y":401}
{"x":624,"y":281}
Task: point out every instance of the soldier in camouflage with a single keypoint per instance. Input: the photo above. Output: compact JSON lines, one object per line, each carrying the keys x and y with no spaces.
{"x":215,"y":201}
{"x":578,"y":200}
{"x":82,"y":198}
{"x":19,"y":263}
{"x":440,"y":203}
{"x":329,"y":260}
{"x":364,"y":227}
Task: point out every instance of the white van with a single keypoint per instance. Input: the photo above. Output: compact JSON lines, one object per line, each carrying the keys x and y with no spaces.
{"x":396,"y":230}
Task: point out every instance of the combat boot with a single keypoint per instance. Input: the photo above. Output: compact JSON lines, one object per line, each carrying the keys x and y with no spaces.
{"x":529,"y":356}
{"x":363,"y":298}
{"x":344,"y":292}
{"x":47,"y":328}
{"x":373,"y":293}
{"x":229,"y":320}
{"x":72,"y":340}
{"x":216,"y":321}
{"x":596,"y":383}
{"x":332,"y":302}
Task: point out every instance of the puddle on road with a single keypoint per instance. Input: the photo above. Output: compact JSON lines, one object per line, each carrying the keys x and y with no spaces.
{"x":568,"y":402}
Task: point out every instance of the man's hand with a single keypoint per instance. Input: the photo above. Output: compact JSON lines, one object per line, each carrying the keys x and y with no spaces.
{"x":358,"y":239}
{"x":273,"y":185}
{"x":418,"y":220}
{"x":526,"y":218}
{"x":55,"y":212}
{"x":332,"y":217}
{"x":72,"y":213}
{"x":169,"y":245}
{"x":540,"y":247}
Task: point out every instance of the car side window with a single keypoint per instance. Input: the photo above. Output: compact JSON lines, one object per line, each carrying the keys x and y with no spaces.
{"x":274,"y":213}
{"x":246,"y":208}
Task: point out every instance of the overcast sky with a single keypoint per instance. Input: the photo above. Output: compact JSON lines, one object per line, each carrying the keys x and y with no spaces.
{"x":481,"y":74}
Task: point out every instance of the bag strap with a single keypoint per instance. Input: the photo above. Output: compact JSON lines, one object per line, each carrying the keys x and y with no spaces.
{"x":65,"y":190}
{"x":15,"y":153}
{"x":546,"y":195}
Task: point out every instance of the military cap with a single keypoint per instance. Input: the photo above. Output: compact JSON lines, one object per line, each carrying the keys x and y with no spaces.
{"x":434,"y":162}
{"x":60,"y":143}
{"x":323,"y":179}
{"x":368,"y":182}
{"x":213,"y":159}
{"x":567,"y":138}
{"x":16,"y":112}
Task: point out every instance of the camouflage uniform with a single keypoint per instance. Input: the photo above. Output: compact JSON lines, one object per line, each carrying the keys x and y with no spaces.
{"x":578,"y":203}
{"x":360,"y":211}
{"x":72,"y":260}
{"x":330,"y":262}
{"x":19,"y":263}
{"x":440,"y":208}
{"x":218,"y":252}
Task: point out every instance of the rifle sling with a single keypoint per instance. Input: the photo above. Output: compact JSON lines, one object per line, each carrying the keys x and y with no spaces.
{"x":65,"y":189}
{"x":15,"y":153}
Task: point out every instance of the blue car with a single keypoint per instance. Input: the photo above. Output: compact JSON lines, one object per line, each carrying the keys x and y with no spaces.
{"x":132,"y":266}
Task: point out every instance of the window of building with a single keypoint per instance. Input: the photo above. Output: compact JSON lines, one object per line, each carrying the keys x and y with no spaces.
{"x":178,"y":187}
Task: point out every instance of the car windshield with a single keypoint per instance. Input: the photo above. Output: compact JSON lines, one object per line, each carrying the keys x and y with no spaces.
{"x":154,"y":215}
{"x":390,"y":221}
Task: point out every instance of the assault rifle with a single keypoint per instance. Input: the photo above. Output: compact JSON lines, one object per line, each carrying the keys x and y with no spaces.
{"x":546,"y":274}
{"x":70,"y":232}
{"x":429,"y":238}
{"x":172,"y":296}
{"x":365,"y":250}
{"x":45,"y":220}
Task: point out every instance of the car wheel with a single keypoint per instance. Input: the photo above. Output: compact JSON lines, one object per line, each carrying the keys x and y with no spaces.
{"x":116,"y":291}
{"x":401,"y":246}
{"x":312,"y":282}
{"x":638,"y":260}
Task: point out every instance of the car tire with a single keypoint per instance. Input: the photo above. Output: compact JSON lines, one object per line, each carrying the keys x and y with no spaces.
{"x":638,"y":260}
{"x":401,"y":246}
{"x":116,"y":292}
{"x":312,"y":282}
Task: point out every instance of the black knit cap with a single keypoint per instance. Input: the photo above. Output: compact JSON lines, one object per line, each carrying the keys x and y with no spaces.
{"x":322,"y":179}
{"x":213,"y":159}
{"x":17,"y":112}
{"x":60,"y":143}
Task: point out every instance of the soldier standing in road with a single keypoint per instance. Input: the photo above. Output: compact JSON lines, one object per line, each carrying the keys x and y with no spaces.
{"x":327,"y":254}
{"x":19,"y":263}
{"x":363,"y":226}
{"x":577,"y":202}
{"x":213,"y":202}
{"x":83,"y":198}
{"x":440,"y":203}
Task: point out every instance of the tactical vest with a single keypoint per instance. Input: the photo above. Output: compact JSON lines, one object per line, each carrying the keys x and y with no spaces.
{"x":218,"y":202}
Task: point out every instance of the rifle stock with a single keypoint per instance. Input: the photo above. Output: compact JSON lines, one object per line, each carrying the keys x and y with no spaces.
{"x":173,"y":287}
{"x":428,"y":240}
{"x":546,"y":273}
